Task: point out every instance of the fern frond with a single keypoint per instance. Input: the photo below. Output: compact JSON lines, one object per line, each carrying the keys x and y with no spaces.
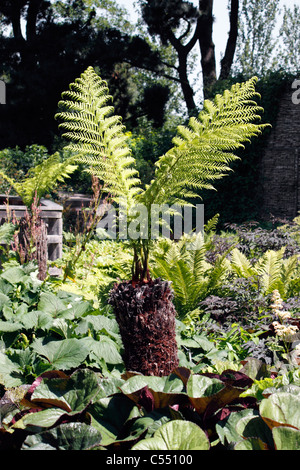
{"x":240,"y":264}
{"x":97,"y":136}
{"x":269,"y":268}
{"x":42,"y":178}
{"x":204,"y":150}
{"x":211,"y":224}
{"x":184,"y":264}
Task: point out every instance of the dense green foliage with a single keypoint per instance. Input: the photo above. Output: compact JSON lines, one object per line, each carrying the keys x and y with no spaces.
{"x":63,"y":382}
{"x":238,"y":377}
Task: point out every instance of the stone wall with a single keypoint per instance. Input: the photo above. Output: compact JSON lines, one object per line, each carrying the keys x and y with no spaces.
{"x":280,"y":166}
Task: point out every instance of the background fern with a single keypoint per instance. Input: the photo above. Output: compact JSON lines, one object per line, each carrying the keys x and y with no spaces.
{"x":184,"y":264}
{"x":271,"y":271}
{"x":42,"y":178}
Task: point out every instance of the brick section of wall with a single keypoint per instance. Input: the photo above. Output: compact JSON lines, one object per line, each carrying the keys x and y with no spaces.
{"x":280,"y":166}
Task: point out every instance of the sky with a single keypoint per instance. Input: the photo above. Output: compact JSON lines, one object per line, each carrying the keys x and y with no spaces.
{"x":220,"y":31}
{"x":221,"y":25}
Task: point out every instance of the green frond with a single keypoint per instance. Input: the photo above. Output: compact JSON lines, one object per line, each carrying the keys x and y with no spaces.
{"x":240,"y":264}
{"x":42,"y":178}
{"x":184,"y":264}
{"x":269,"y":268}
{"x":211,"y":225}
{"x":97,"y":136}
{"x":204,"y":149}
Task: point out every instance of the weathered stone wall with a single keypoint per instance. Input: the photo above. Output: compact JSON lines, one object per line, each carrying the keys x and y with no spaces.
{"x":280,"y":166}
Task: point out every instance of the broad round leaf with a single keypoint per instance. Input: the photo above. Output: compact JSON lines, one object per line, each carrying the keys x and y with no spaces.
{"x":71,"y":394}
{"x":251,"y":444}
{"x":286,"y":438}
{"x":176,"y":435}
{"x":202,"y":390}
{"x":62,"y":355}
{"x":70,"y":436}
{"x":281,"y":409}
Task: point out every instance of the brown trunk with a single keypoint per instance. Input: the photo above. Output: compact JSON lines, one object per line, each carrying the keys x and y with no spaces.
{"x":207,"y":47}
{"x":146,"y":317}
{"x":227,"y":60}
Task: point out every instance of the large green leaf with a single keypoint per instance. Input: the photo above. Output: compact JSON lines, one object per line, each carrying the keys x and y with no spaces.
{"x":286,"y":438}
{"x":160,"y":391}
{"x":72,"y":394}
{"x":202,"y":390}
{"x":51,"y":303}
{"x":65,"y":354}
{"x":207,"y":389}
{"x":109,"y":415}
{"x":281,"y":409}
{"x":99,"y":323}
{"x":176,"y":435}
{"x":42,"y":419}
{"x":254,"y":427}
{"x":68,"y":436}
{"x":6,"y":326}
{"x":4,"y":300}
{"x":14,"y":275}
{"x":252,"y":443}
{"x":10,"y":372}
{"x":37,"y":320}
{"x":105,"y":349}
{"x":226,"y":428}
{"x":170,"y":383}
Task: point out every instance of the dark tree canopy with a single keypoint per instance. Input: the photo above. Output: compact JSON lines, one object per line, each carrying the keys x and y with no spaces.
{"x":183,"y":25}
{"x":39,"y":61}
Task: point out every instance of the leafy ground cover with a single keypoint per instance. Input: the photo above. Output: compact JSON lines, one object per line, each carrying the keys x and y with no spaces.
{"x":63,"y":384}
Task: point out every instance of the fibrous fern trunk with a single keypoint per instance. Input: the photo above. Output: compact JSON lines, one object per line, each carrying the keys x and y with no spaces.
{"x":146,"y":318}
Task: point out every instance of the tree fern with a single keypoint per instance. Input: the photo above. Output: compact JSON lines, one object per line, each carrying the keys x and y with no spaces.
{"x":201,"y":154}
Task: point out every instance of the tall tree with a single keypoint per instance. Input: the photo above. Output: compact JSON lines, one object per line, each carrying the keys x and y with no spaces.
{"x":257,"y":44}
{"x":183,"y":25}
{"x":289,"y":55}
{"x":164,"y":18}
{"x":44,"y":47}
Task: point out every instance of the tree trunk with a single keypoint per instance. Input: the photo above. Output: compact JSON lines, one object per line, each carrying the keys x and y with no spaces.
{"x":227,"y":60}
{"x":186,"y":88}
{"x":146,"y":317}
{"x":182,"y":53}
{"x":207,"y":47}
